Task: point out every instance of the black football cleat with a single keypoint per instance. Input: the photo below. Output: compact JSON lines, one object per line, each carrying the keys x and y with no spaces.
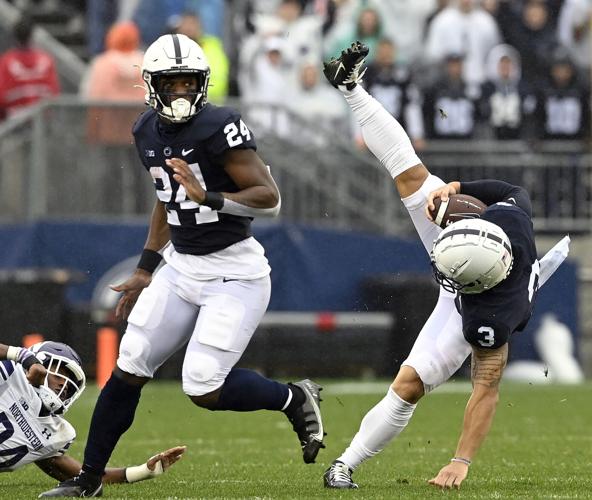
{"x":307,"y":422}
{"x":344,"y":72}
{"x":82,"y":485}
{"x":339,"y":476}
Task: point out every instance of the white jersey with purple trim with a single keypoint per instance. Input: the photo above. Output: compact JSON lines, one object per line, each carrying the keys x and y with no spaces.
{"x":26,"y":437}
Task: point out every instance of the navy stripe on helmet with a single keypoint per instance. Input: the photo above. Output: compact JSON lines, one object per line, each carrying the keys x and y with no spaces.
{"x":178,"y":57}
{"x":476,"y":232}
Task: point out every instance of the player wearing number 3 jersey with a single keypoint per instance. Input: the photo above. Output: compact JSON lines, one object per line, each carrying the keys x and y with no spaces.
{"x":490,"y":261}
{"x":215,"y":286}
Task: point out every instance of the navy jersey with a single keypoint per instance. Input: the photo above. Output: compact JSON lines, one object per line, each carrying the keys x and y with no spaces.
{"x":201,"y":142}
{"x":490,"y":317}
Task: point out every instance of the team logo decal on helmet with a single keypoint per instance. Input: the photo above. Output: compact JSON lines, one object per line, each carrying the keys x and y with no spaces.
{"x":60,"y":361}
{"x":174,"y":55}
{"x":471,"y":256}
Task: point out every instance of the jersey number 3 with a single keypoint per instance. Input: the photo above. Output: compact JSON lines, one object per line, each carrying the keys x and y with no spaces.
{"x":17,"y":452}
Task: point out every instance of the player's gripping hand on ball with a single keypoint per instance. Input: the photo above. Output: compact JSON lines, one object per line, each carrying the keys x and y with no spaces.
{"x":442,"y":193}
{"x":451,"y":475}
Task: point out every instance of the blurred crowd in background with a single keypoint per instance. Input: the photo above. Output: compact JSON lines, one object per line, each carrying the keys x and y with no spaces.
{"x":447,"y":69}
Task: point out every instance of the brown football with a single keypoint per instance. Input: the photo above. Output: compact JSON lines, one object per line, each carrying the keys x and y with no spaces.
{"x":458,"y":207}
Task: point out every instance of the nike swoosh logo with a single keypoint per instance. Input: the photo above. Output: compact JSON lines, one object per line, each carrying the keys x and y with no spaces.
{"x":513,"y":200}
{"x":226,"y":280}
{"x":339,"y":68}
{"x":185,"y":153}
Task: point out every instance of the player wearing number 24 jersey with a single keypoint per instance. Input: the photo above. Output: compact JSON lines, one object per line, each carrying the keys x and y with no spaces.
{"x":215,"y":286}
{"x":201,"y":143}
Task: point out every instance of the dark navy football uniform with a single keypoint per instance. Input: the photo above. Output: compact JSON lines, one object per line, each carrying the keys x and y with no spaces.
{"x":491,"y":316}
{"x":201,"y":142}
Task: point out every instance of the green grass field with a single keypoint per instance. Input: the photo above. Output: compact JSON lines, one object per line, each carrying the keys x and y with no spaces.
{"x":540,"y":447}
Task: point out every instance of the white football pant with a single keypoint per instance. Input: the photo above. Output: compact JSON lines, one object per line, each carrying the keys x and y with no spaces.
{"x":216,"y":317}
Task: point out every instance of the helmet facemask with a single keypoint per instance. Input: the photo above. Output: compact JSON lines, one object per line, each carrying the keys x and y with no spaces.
{"x":173,"y":105}
{"x":66,"y":377}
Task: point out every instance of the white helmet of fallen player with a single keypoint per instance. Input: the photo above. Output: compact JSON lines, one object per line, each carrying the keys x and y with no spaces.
{"x":62,"y":362}
{"x":471,"y":256}
{"x":174,"y":55}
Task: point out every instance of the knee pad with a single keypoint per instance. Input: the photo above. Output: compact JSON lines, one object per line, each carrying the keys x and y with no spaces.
{"x":134,"y":351}
{"x":201,"y":374}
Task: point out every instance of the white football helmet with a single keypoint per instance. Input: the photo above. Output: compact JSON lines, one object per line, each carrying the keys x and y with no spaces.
{"x":55,"y":356}
{"x":175,"y":55}
{"x":471,"y":256}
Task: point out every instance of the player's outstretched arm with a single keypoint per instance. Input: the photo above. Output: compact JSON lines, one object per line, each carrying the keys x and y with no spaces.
{"x":158,"y":237}
{"x":65,"y":467}
{"x":486,"y":372}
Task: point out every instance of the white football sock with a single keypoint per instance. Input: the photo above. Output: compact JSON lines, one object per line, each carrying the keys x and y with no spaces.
{"x":383,"y":134}
{"x":380,"y":425}
{"x":415,"y":205}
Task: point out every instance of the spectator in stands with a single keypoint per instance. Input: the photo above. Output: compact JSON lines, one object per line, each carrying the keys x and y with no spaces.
{"x":463,"y":28}
{"x":450,"y":106}
{"x":27,"y":74}
{"x":404,"y":22}
{"x":316,"y":104}
{"x":533,"y":35}
{"x":152,"y":16}
{"x":367,"y":29}
{"x":211,"y":16}
{"x":264,"y":84}
{"x":574,"y":30}
{"x":115,"y":76}
{"x":100,"y":15}
{"x":563,"y":109}
{"x":189,"y":24}
{"x":390,"y":84}
{"x":507,"y":100}
{"x":301,"y":31}
{"x":440,"y":6}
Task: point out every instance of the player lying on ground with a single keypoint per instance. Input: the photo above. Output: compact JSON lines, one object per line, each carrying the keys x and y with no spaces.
{"x":492,"y":303}
{"x":37,"y":386}
{"x":215,"y":287}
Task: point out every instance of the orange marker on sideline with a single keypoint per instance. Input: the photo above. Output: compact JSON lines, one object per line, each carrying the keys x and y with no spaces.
{"x":107,"y":345}
{"x":31,"y":338}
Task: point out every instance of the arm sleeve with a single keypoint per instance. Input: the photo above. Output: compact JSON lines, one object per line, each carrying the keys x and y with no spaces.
{"x":491,"y":191}
{"x":6,"y":370}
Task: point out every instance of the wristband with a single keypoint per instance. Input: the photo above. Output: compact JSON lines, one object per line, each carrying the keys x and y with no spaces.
{"x":142,"y":472}
{"x":462,"y":460}
{"x":213,"y":200}
{"x":23,"y":356}
{"x":149,"y":260}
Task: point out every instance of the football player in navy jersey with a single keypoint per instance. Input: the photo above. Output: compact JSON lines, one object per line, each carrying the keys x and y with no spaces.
{"x":215,"y":286}
{"x":491,"y":262}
